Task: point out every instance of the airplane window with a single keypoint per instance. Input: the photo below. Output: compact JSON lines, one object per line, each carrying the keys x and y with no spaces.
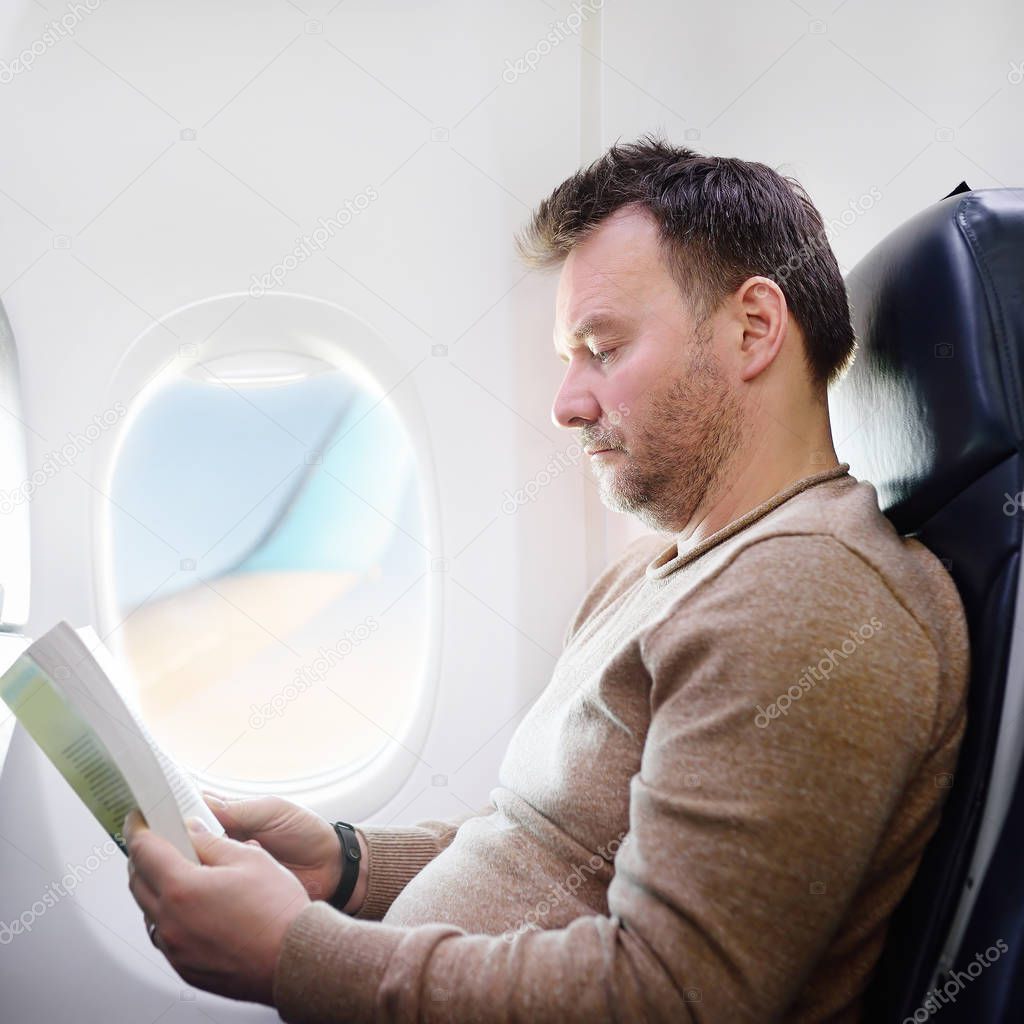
{"x":268,"y":550}
{"x":16,"y":488}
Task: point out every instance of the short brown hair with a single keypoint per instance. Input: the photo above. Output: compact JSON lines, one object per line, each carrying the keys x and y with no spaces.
{"x":721,"y":220}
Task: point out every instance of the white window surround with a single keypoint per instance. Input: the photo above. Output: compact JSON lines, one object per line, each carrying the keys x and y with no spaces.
{"x":237,"y":323}
{"x":14,"y":517}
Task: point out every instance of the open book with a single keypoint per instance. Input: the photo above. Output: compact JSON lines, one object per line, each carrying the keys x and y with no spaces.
{"x":64,"y":689}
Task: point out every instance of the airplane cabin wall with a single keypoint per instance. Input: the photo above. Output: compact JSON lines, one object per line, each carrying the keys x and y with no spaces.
{"x":165,"y":154}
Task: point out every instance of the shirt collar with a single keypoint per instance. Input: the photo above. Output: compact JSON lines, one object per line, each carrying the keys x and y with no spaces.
{"x":670,"y":559}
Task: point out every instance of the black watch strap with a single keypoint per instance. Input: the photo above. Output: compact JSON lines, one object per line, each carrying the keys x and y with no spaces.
{"x":350,"y":857}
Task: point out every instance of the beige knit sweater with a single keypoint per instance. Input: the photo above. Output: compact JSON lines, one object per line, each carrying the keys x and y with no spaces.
{"x":708,"y":815}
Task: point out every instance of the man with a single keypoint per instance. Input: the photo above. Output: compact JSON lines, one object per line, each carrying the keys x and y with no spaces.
{"x":712,"y":810}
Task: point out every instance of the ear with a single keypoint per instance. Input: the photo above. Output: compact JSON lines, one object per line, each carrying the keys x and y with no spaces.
{"x":765,"y":321}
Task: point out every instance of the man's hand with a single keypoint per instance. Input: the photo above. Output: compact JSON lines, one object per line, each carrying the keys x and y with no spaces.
{"x":220,"y":924}
{"x":294,"y":836}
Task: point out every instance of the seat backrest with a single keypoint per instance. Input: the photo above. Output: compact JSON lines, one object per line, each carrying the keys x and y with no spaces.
{"x":931,"y":414}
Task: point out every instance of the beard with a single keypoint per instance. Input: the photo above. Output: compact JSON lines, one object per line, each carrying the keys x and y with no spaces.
{"x":677,"y":456}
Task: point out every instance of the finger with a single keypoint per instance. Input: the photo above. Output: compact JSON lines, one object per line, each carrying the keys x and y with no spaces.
{"x":144,"y":896}
{"x":156,"y":938}
{"x":214,"y":795}
{"x":156,"y":860}
{"x":243,"y":818}
{"x":133,"y":822}
{"x":215,"y":850}
{"x":219,"y":804}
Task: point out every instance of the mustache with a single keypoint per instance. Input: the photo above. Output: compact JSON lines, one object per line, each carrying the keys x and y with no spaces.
{"x":597,"y":437}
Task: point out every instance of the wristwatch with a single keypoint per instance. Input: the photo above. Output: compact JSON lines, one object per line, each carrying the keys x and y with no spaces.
{"x":350,"y":857}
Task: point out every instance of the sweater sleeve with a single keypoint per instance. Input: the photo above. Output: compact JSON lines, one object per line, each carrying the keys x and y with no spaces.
{"x":748,"y":839}
{"x":396,"y":854}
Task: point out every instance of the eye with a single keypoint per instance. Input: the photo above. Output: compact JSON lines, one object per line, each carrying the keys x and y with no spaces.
{"x":603,"y":355}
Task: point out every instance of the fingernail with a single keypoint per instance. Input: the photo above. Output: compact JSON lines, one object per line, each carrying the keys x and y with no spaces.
{"x":196,"y":825}
{"x":217,"y":801}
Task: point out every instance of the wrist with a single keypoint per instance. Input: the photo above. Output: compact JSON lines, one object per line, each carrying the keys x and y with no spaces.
{"x":358,"y":897}
{"x":349,"y":862}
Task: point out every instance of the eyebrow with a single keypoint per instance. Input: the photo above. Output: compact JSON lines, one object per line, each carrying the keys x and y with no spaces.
{"x":596,"y":323}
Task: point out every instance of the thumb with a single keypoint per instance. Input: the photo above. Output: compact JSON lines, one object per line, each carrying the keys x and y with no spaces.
{"x":212,"y":849}
{"x":242,"y":818}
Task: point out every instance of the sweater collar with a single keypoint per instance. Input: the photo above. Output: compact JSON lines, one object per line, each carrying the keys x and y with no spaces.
{"x":670,"y":559}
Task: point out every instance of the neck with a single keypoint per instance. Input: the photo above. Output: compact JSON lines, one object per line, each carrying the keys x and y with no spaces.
{"x":754,"y":475}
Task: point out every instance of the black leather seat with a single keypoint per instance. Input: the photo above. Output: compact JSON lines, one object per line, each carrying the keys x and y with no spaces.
{"x":932,"y":414}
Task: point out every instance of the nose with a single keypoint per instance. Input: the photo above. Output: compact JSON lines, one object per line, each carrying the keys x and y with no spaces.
{"x":575,"y":405}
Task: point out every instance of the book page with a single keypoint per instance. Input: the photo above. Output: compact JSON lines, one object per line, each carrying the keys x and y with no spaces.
{"x":78,"y":716}
{"x":70,"y":743}
{"x":186,"y":794}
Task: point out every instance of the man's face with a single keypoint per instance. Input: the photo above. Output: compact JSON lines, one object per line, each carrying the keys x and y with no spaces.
{"x":644,"y":384}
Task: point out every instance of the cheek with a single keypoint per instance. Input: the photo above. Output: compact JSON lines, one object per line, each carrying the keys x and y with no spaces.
{"x":623,"y":398}
{"x":632,"y":404}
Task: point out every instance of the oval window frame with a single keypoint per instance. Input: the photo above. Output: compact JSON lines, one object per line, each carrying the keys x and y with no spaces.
{"x":315,"y":326}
